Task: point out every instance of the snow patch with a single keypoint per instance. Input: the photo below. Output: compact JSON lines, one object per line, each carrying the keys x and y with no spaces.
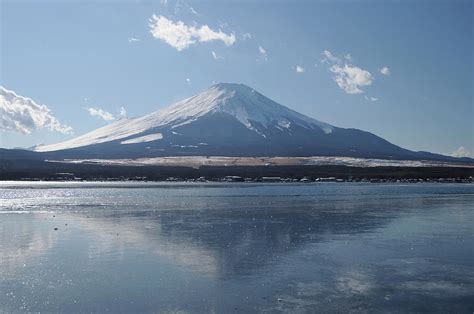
{"x":143,"y":139}
{"x":284,"y":124}
{"x":185,"y":146}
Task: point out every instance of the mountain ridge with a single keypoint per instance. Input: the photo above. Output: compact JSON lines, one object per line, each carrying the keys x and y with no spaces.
{"x":213,"y":100}
{"x":228,"y":119}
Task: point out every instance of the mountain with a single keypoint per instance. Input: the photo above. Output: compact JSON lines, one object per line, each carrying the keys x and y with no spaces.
{"x":227,"y":120}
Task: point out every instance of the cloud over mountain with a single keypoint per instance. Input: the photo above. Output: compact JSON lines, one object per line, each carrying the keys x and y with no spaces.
{"x":347,"y":76}
{"x":462,"y":152}
{"x":180,"y":36}
{"x":351,"y":78}
{"x":100,"y":113}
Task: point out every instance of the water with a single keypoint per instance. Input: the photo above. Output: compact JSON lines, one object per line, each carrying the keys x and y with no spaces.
{"x":246,"y":248}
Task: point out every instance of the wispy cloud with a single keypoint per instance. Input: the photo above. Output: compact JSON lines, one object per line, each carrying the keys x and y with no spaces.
{"x":462,"y":152}
{"x":193,"y":11}
{"x":122,"y":112}
{"x":246,"y":36}
{"x":371,"y":98}
{"x":347,"y":76}
{"x":299,"y":69}
{"x":23,"y":115}
{"x":133,"y":39}
{"x":328,"y":57}
{"x":215,"y":55}
{"x":180,"y":36}
{"x":263,"y":52}
{"x":188,"y":80}
{"x":100,"y":113}
{"x":384,"y":70}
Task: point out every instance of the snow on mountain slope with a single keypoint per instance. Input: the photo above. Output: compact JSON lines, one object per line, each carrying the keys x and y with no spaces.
{"x":114,"y":131}
{"x":144,"y":139}
{"x":246,"y":105}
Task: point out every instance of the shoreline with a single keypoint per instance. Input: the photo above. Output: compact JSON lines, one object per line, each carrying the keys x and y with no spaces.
{"x":36,"y":170}
{"x":250,"y":181}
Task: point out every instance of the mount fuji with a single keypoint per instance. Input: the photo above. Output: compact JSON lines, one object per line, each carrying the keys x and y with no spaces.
{"x":227,"y":120}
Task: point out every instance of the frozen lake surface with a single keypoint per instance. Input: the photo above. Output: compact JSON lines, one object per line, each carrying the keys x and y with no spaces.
{"x":176,"y":247}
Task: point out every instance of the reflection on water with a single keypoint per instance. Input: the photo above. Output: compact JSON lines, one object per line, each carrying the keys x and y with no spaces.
{"x":238,"y":248}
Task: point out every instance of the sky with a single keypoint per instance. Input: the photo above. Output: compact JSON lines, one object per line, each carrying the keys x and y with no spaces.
{"x":402,"y":70}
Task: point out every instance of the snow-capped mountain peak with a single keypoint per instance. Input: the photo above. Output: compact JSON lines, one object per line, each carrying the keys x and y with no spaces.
{"x":238,"y":100}
{"x":255,"y":111}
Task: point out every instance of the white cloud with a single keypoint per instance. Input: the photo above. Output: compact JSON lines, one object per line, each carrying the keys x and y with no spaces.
{"x":164,"y":2}
{"x":350,"y":78}
{"x":299,"y":69}
{"x":246,"y":36}
{"x":193,"y":11}
{"x":461,"y":152}
{"x":122,"y":112}
{"x":263,"y":52}
{"x":21,"y":114}
{"x":216,"y":56}
{"x":180,"y":36}
{"x":371,"y":98}
{"x":329,"y":57}
{"x":133,"y":39}
{"x":188,"y":80}
{"x":100,"y":113}
{"x":384,"y":70}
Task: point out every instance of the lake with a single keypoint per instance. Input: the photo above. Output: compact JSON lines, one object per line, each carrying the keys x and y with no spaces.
{"x":236,"y":247}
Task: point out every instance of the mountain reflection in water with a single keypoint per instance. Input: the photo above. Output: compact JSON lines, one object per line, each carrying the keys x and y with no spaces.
{"x":236,"y":248}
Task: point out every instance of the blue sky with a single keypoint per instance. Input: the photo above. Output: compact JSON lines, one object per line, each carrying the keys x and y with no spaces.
{"x":84,"y":60}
